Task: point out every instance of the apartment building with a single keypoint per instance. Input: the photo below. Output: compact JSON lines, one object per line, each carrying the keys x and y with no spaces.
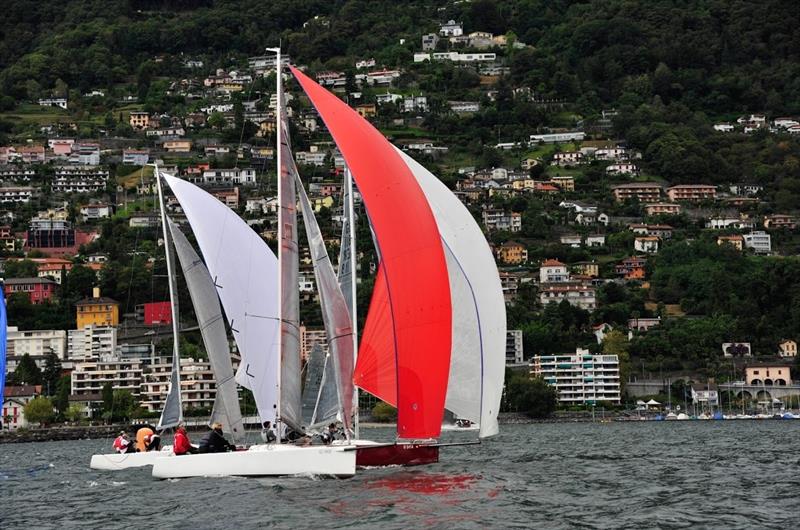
{"x":580,"y":378}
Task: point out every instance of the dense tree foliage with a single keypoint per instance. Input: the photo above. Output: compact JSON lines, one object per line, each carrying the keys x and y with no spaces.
{"x":530,"y":396}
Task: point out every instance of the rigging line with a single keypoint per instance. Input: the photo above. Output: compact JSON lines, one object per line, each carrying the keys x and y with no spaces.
{"x":244,"y":121}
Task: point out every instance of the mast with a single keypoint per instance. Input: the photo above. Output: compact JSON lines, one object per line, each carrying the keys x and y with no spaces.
{"x":354,"y":310}
{"x":175,"y":377}
{"x":278,"y":131}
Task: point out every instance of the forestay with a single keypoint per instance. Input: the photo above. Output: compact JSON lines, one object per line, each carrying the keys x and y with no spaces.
{"x":212,"y":328}
{"x":245,"y":275}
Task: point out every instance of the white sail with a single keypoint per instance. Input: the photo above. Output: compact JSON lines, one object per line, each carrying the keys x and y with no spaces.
{"x":212,"y":328}
{"x":172,"y":413}
{"x":320,"y":398}
{"x":245,"y":274}
{"x":479,"y":312}
{"x":290,"y":399}
{"x":346,"y":265}
{"x":335,"y":313}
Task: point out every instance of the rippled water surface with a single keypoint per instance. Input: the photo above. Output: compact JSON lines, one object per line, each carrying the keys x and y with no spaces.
{"x":733,"y":474}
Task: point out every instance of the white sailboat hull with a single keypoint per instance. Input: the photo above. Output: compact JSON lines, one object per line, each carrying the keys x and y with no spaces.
{"x":260,"y":461}
{"x":117,"y":461}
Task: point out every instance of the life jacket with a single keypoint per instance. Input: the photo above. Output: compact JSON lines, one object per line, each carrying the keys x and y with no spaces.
{"x":121,"y":444}
{"x":143,"y":438}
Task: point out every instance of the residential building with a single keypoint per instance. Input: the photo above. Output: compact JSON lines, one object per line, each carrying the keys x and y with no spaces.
{"x":62,"y":147}
{"x":572,"y":240}
{"x":14,"y":400}
{"x":623,"y":168}
{"x":660,"y":231}
{"x":564,"y":183}
{"x":16,"y":194}
{"x":643,"y":324}
{"x":787,"y":348}
{"x":89,"y":378}
{"x":643,"y":191}
{"x":577,"y":295}
{"x":648,"y":244}
{"x":596,"y":240}
{"x":759,"y":241}
{"x":768,"y":375}
{"x":736,"y":240}
{"x":509,"y":282}
{"x":38,"y":290}
{"x":50,"y":233}
{"x":91,"y":343}
{"x":167,"y":133}
{"x":135,"y":157}
{"x":663,"y":208}
{"x":53,"y":102}
{"x":723,"y":127}
{"x":631,"y":268}
{"x":780,"y":221}
{"x":198,"y":386}
{"x":723,"y":223}
{"x":85,"y":154}
{"x":464,"y":107}
{"x":310,"y":338}
{"x":736,"y":349}
{"x":139,"y":119}
{"x":567,"y":159}
{"x":95,"y":212}
{"x":692,"y":192}
{"x":554,"y":138}
{"x":178,"y":146}
{"x":367,"y":110}
{"x":451,"y":29}
{"x":587,"y":268}
{"x":227,"y":177}
{"x":36,"y":342}
{"x":514,"y":350}
{"x":512,"y":253}
{"x":494,"y":219}
{"x":97,"y":311}
{"x":80,"y":179}
{"x":144,"y":220}
{"x":580,"y":378}
{"x":429,"y":42}
{"x":553,"y":271}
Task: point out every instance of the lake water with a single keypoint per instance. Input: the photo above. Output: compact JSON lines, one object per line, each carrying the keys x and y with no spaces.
{"x":732,"y":474}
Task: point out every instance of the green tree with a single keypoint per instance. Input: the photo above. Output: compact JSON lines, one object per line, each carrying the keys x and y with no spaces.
{"x":74,"y":413}
{"x":616,"y":343}
{"x":61,"y":399}
{"x":27,"y":373}
{"x":51,"y":374}
{"x":107,"y":393}
{"x":21,"y":269}
{"x":530,"y":396}
{"x":39,"y":410}
{"x":382,"y":412}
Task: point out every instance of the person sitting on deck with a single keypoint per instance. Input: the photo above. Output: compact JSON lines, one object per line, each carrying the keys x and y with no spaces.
{"x":152,"y":442}
{"x":122,"y":444}
{"x":143,"y":437}
{"x":181,"y":445}
{"x":267,"y":434}
{"x":214,"y":441}
{"x":330,"y":436}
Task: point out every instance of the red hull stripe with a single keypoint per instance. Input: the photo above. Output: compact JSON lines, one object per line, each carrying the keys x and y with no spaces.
{"x":414,"y":264}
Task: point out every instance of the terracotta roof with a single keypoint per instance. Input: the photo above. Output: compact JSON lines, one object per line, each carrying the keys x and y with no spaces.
{"x":22,"y":391}
{"x":93,"y":301}
{"x":28,"y":281}
{"x":552,"y":263}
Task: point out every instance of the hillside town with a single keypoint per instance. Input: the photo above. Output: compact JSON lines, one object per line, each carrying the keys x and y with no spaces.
{"x":594,"y":242}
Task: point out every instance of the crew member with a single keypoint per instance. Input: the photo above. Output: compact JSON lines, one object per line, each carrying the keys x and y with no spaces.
{"x":215,"y":442}
{"x":122,"y":444}
{"x":267,"y":434}
{"x":143,"y":435}
{"x":181,"y":445}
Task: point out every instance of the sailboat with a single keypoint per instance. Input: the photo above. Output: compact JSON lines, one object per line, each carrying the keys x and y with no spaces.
{"x":424,"y":347}
{"x":212,"y":328}
{"x":434,"y":334}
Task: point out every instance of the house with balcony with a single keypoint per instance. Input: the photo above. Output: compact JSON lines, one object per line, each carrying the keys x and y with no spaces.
{"x":759,"y":241}
{"x":576,"y":295}
{"x":631,"y":268}
{"x":776,"y":221}
{"x":38,"y":290}
{"x":512,"y":253}
{"x":553,"y":271}
{"x":692,"y":192}
{"x":647,"y":244}
{"x":643,"y":191}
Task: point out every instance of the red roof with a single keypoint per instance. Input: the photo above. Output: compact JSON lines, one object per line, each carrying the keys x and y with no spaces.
{"x":22,"y":391}
{"x":552,"y":263}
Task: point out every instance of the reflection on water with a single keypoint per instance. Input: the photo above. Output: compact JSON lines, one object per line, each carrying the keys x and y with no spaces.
{"x":669,"y":475}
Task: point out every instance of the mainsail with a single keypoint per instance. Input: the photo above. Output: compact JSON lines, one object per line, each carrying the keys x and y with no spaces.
{"x":212,"y":328}
{"x":289,"y":258}
{"x":245,"y":275}
{"x":335,"y":313}
{"x":412,"y":261}
{"x":172,"y":413}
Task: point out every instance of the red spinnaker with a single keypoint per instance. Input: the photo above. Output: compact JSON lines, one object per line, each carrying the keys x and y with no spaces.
{"x":416,"y":279}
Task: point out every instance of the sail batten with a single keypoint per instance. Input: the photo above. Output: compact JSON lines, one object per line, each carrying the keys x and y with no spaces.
{"x":212,"y":328}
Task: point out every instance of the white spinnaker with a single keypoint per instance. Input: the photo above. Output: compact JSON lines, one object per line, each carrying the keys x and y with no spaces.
{"x":477,"y":298}
{"x":245,"y":274}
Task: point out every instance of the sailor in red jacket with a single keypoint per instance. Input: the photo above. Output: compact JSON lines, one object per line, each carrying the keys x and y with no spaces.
{"x":181,"y":444}
{"x":122,"y":444}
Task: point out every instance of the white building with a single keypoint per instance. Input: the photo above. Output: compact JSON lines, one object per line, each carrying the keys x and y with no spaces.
{"x":89,"y":378}
{"x":501,"y":220}
{"x":16,"y":194}
{"x":135,"y":157}
{"x":581,"y":296}
{"x":759,"y":241}
{"x":198,"y":386}
{"x":647,"y":244}
{"x":227,"y":177}
{"x":553,"y":271}
{"x":451,"y":29}
{"x":514,"y":350}
{"x":93,"y":212}
{"x":91,"y":343}
{"x":80,"y":179}
{"x":580,"y":378}
{"x":553,"y":138}
{"x":36,"y":342}
{"x":85,"y":154}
